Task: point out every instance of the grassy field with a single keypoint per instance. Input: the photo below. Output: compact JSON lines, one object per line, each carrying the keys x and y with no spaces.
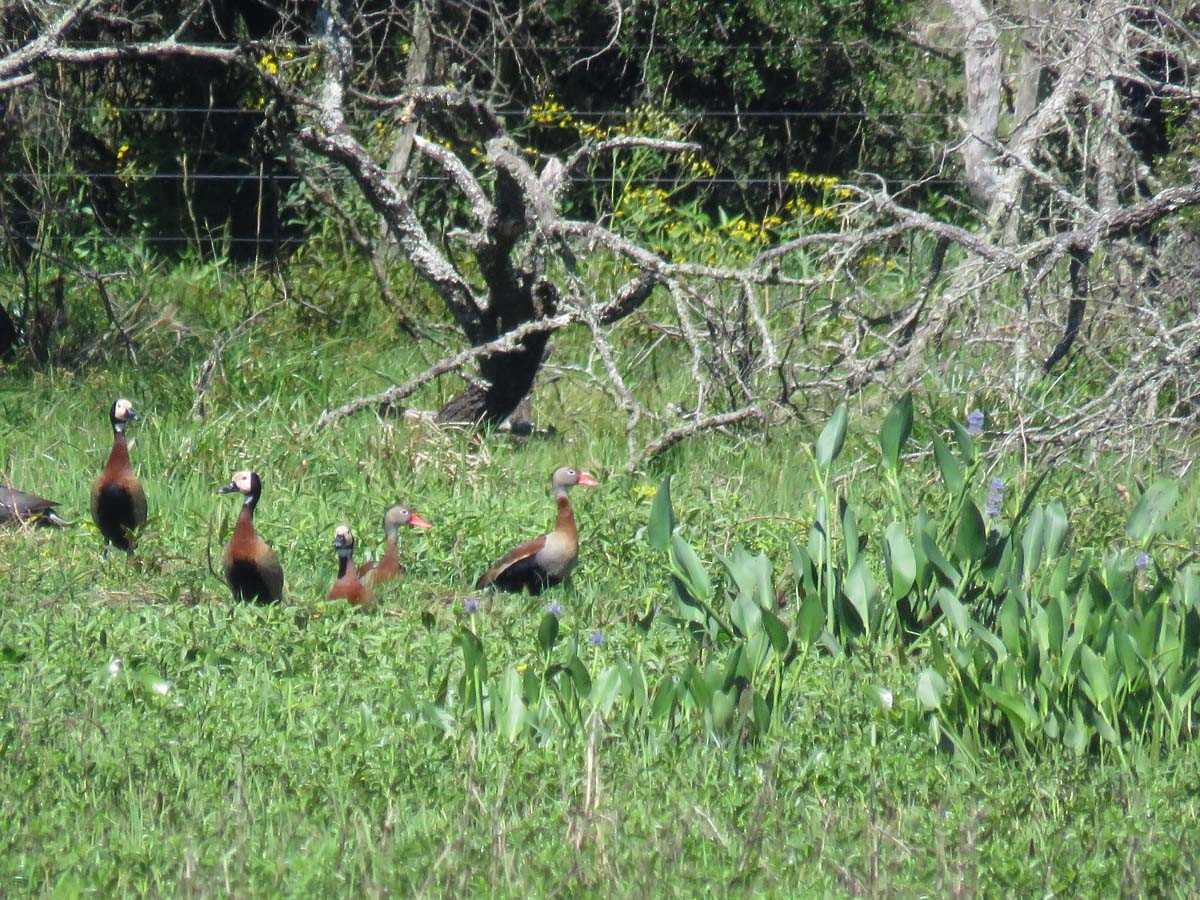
{"x":158,"y":739}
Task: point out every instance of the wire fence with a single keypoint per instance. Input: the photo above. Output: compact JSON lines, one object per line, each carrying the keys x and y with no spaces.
{"x":129,"y":178}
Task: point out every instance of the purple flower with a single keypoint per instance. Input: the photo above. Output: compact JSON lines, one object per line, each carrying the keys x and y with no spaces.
{"x":471,"y":606}
{"x":1141,"y":562}
{"x":975,"y":423}
{"x":554,"y":609}
{"x":596,"y":638}
{"x":995,"y":498}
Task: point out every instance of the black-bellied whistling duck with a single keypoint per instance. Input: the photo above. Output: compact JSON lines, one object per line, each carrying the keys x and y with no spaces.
{"x":395,"y":517}
{"x":251,"y":567}
{"x":548,"y":560}
{"x":118,"y":500}
{"x":22,"y":506}
{"x":348,"y":587}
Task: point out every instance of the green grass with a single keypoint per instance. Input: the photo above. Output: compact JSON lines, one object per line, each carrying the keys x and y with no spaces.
{"x":292,"y":750}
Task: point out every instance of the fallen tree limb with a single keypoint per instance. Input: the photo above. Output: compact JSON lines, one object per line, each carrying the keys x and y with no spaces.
{"x":503,"y":344}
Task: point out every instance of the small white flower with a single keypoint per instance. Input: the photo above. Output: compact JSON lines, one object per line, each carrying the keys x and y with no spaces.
{"x":114,"y":667}
{"x":161,"y":687}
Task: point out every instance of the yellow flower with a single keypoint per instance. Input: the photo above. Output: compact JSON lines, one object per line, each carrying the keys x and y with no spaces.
{"x":269,"y":64}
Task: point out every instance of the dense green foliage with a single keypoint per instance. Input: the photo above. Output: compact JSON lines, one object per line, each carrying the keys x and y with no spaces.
{"x":155,"y":737}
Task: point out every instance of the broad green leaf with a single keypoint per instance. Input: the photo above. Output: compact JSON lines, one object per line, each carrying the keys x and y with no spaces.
{"x":832,"y":438}
{"x":988,"y":637}
{"x":955,"y":612}
{"x":952,"y":475}
{"x":802,"y":566}
{"x":776,"y":631}
{"x":897,"y":427}
{"x":1150,"y":513}
{"x":721,"y":707}
{"x":605,"y":689}
{"x":698,"y":687}
{"x":966,"y":443}
{"x":862,"y":591}
{"x":662,"y":517}
{"x":664,"y":698}
{"x":849,"y":532}
{"x":810,"y":621}
{"x":1077,"y":736}
{"x":1056,"y":529}
{"x":1033,"y":540}
{"x":691,"y":569}
{"x":746,"y":615}
{"x":512,"y":712}
{"x":899,"y":560}
{"x":931,"y":688}
{"x":474,"y":657}
{"x":548,"y":632}
{"x":970,"y":542}
{"x":1096,"y":673}
{"x":1013,"y":705}
{"x":935,"y":556}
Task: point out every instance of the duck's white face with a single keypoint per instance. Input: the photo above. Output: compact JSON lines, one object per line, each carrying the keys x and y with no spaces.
{"x":243,"y":481}
{"x":342,"y":534}
{"x":123,"y":410}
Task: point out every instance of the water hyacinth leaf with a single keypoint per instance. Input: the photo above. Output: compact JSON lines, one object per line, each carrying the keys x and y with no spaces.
{"x":474,"y":658}
{"x":662,"y":517}
{"x":605,"y":689}
{"x":1033,"y":541}
{"x":862,"y":591}
{"x":721,"y":707}
{"x":954,"y":611}
{"x":931,"y":688}
{"x":899,"y":559}
{"x":735,"y":664}
{"x":634,"y":687}
{"x":934,"y":555}
{"x":746,"y":615}
{"x":1020,"y":716}
{"x":897,"y":426}
{"x":849,"y":532}
{"x":1096,"y":673}
{"x":832,"y":438}
{"x":1187,"y":583}
{"x":970,"y":541}
{"x":810,"y":622}
{"x":690,"y":569}
{"x":802,"y":566}
{"x":1076,"y":737}
{"x":966,"y":443}
{"x":951,"y":471}
{"x":698,"y":687}
{"x":776,"y":632}
{"x":548,"y":632}
{"x":664,"y":699}
{"x":439,"y":718}
{"x":989,"y":638}
{"x":1056,"y":529}
{"x":1105,"y":730}
{"x":1151,"y":512}
{"x":579,"y":676}
{"x":511,"y":714}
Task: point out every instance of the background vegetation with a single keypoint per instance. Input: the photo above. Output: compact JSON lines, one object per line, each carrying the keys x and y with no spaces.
{"x":900,"y":640}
